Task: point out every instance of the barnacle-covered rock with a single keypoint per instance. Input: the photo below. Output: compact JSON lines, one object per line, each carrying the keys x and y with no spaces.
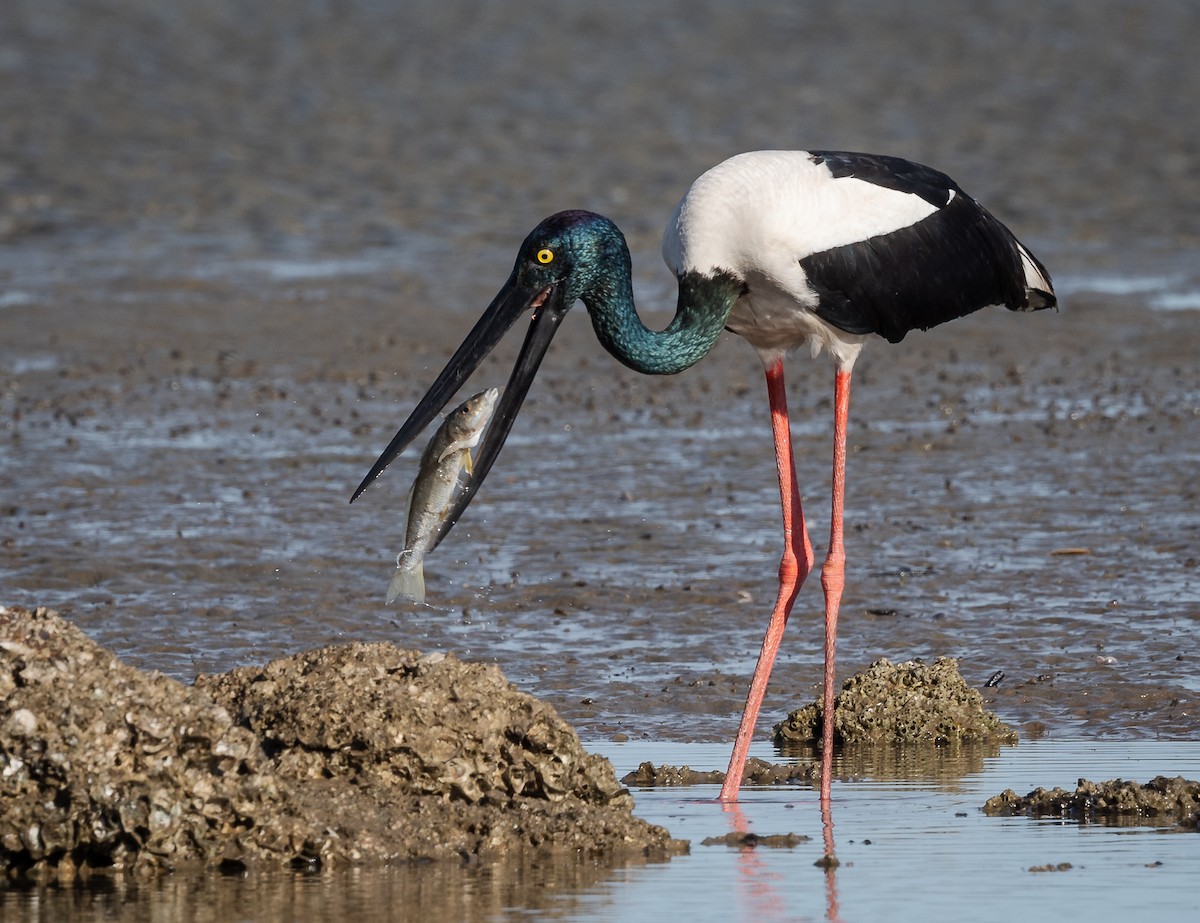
{"x":350,"y":753}
{"x":432,"y":723}
{"x":1174,"y":799}
{"x":909,"y":702}
{"x":104,"y":765}
{"x":757,"y":772}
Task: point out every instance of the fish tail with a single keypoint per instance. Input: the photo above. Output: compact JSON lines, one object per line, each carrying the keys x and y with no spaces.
{"x":409,"y":583}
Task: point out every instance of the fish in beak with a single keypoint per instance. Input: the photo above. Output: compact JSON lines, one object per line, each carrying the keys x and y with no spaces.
{"x":548,"y":305}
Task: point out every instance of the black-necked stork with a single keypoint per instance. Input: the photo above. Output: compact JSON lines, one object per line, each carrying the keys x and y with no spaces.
{"x":786,"y":249}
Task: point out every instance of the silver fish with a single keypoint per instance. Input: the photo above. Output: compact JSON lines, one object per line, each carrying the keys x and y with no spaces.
{"x":444,"y":459}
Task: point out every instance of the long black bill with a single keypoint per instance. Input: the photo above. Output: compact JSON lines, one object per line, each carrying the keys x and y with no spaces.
{"x":512,"y":301}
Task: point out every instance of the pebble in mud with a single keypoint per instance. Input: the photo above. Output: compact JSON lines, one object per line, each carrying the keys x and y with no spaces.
{"x":351,"y":753}
{"x":1162,"y":798}
{"x":910,"y":702}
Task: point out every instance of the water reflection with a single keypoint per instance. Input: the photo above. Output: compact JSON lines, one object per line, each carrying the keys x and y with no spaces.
{"x":553,"y":885}
{"x":761,"y":887}
{"x":829,"y":861}
{"x":943,"y":764}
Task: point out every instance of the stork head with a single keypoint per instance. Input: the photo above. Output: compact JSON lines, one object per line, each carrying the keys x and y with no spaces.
{"x":564,"y":259}
{"x":568,"y":254}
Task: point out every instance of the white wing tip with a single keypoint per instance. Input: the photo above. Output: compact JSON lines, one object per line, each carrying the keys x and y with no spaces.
{"x":1036,"y":279}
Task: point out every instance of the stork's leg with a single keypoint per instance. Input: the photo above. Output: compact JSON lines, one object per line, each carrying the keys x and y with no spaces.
{"x":833,"y":573}
{"x":793,"y":568}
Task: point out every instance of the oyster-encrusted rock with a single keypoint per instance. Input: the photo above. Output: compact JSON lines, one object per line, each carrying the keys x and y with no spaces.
{"x":348,"y":753}
{"x":907,"y":702}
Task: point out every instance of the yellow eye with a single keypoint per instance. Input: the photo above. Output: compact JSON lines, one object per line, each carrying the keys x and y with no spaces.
{"x":545,"y":255}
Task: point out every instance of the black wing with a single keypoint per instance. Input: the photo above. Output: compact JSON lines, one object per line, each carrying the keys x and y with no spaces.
{"x":951,"y":263}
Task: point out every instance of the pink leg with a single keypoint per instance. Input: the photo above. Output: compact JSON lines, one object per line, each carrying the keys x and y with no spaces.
{"x":793,"y":568}
{"x":833,"y":574}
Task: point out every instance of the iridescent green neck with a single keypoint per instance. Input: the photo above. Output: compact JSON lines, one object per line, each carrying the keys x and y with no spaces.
{"x":704,"y":304}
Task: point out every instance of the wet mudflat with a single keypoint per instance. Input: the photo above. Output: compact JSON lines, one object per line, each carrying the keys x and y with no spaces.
{"x":235,"y":246}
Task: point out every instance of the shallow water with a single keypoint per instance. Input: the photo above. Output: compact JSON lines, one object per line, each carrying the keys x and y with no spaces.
{"x":913,"y":844}
{"x":911,"y":841}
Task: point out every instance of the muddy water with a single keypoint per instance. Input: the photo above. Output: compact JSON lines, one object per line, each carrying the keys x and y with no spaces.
{"x":235,"y":246}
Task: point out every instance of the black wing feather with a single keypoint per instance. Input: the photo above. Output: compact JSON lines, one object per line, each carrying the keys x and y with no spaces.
{"x":890,"y":172}
{"x":953,"y":262}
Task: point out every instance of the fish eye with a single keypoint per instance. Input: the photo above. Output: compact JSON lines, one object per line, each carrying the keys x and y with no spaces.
{"x":545,"y":255}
